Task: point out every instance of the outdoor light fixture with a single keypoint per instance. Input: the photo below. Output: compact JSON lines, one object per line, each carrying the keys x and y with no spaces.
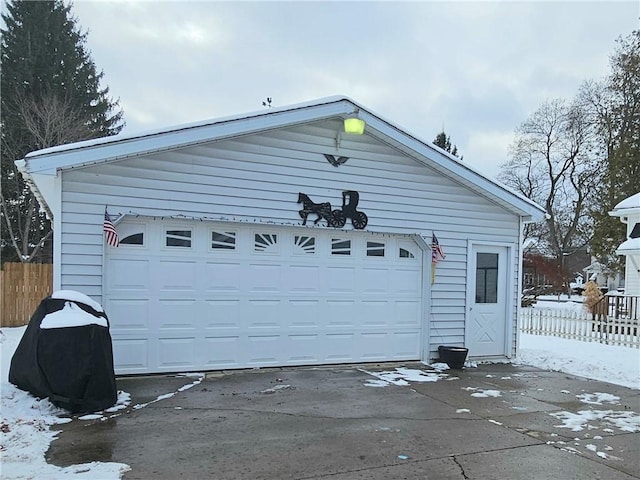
{"x":354,"y":126}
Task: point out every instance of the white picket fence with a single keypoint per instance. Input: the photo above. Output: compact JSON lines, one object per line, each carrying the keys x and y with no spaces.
{"x":578,"y":325}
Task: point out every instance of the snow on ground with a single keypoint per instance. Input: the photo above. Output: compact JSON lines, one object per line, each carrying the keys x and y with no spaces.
{"x":25,"y":421}
{"x":403,"y":376}
{"x":614,"y":364}
{"x":608,"y":363}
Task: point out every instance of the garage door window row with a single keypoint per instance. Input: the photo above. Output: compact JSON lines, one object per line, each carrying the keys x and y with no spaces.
{"x":268,"y":243}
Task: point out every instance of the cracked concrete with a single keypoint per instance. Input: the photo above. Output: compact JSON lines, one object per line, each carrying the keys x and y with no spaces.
{"x":328,"y":425}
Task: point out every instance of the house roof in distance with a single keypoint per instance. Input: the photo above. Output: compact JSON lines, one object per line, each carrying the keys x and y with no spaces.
{"x":627,"y":206}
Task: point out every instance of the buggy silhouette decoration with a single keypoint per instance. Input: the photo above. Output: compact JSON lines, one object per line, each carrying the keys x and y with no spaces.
{"x":335,"y":218}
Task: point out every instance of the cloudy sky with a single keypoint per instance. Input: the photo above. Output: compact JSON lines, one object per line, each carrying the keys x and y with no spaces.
{"x":476,"y":69}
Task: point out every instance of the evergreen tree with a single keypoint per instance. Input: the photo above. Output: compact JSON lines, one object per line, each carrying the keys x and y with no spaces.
{"x":51,"y":95}
{"x":616,"y":104}
{"x":443,"y":141}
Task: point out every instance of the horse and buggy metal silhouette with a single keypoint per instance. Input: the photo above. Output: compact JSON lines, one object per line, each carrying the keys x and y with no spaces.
{"x":335,"y":218}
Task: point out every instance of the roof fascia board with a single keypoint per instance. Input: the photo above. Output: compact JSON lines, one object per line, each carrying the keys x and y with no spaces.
{"x":624,"y":212}
{"x":80,"y":155}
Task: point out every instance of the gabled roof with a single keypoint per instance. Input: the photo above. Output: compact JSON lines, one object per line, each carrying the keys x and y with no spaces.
{"x":50,"y":161}
{"x":627,"y":206}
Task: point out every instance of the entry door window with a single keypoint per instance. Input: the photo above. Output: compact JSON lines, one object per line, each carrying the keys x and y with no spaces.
{"x":486,"y":278}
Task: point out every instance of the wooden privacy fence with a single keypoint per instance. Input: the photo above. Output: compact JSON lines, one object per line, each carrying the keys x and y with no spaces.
{"x":582,"y":326}
{"x":22,"y":287}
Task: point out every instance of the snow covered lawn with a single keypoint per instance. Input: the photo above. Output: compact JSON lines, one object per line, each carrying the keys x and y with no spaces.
{"x":612,"y":364}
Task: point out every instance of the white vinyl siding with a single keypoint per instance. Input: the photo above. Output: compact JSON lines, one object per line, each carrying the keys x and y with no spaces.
{"x":257,"y":179}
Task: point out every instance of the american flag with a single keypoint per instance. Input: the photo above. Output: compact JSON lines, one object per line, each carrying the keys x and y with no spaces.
{"x":436,"y":250}
{"x":110,"y":233}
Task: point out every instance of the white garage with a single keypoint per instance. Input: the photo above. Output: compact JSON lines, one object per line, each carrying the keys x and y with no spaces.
{"x":218,"y":267}
{"x":185,"y":295}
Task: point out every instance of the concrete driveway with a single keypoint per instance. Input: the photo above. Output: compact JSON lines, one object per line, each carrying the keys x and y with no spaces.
{"x":492,"y":422}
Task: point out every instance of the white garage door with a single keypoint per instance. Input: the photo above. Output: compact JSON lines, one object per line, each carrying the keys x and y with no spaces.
{"x":189,"y":295}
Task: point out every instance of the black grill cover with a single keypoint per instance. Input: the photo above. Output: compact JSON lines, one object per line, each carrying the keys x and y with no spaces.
{"x":72,"y":366}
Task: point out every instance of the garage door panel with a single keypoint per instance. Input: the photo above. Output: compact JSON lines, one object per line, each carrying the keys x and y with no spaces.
{"x":177,"y":352}
{"x":128,"y":314}
{"x":222,"y":351}
{"x":132,"y":354}
{"x":406,"y":313}
{"x":373,"y":346}
{"x":341,"y":313}
{"x":263,"y":314}
{"x":375,"y":313}
{"x":222,"y":277}
{"x":303,"y":279}
{"x":128,"y":275}
{"x":406,"y":281}
{"x":176,"y":275}
{"x":404,"y":344}
{"x":305,"y":314}
{"x":375,"y":280}
{"x":263,"y":350}
{"x":177,"y":313}
{"x":303,"y":349}
{"x":281,"y":298}
{"x":222,"y":313}
{"x":341,"y":280}
{"x":339,"y":347}
{"x":263,"y":278}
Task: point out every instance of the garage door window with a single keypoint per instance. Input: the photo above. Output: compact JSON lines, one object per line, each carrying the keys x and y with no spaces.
{"x":375,"y":249}
{"x":135,"y":239}
{"x":404,"y":253}
{"x":304,"y":245}
{"x":340,"y":246}
{"x":265,"y":243}
{"x":223,"y":240}
{"x":178,"y":238}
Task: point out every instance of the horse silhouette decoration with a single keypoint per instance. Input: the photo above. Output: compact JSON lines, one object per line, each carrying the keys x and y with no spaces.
{"x":322,"y":210}
{"x":336,"y":218}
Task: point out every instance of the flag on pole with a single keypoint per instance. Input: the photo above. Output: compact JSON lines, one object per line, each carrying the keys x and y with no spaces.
{"x":110,"y":234}
{"x":437,"y":253}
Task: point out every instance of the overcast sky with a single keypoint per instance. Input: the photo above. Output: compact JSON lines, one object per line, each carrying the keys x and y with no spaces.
{"x":476,"y":69}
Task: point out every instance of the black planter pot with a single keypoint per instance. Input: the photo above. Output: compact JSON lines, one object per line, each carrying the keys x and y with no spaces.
{"x":453,"y":356}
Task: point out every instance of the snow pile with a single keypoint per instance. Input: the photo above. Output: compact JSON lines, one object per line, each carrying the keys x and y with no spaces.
{"x":598,"y":398}
{"x":71,"y":315}
{"x":402,"y":377}
{"x":624,"y":421}
{"x":480,"y":393}
{"x":74,"y":296}
{"x":607,"y":363}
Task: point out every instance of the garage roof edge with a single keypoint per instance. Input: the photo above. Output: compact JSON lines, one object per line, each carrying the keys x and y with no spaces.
{"x":51,"y":160}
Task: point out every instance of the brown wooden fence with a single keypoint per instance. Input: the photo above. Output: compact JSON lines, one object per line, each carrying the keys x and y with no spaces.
{"x":22,"y":287}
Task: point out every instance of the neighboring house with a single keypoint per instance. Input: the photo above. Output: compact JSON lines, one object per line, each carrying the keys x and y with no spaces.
{"x":629,"y":212}
{"x":545,"y":274}
{"x":595,"y":272}
{"x":217,"y":270}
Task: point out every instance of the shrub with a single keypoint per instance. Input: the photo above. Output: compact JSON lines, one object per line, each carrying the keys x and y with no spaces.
{"x":592,"y":295}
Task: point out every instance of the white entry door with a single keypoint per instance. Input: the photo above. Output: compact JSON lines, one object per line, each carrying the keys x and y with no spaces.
{"x":487,"y":314}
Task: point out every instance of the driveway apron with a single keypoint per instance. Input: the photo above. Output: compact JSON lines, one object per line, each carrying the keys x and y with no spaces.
{"x":495,"y":421}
